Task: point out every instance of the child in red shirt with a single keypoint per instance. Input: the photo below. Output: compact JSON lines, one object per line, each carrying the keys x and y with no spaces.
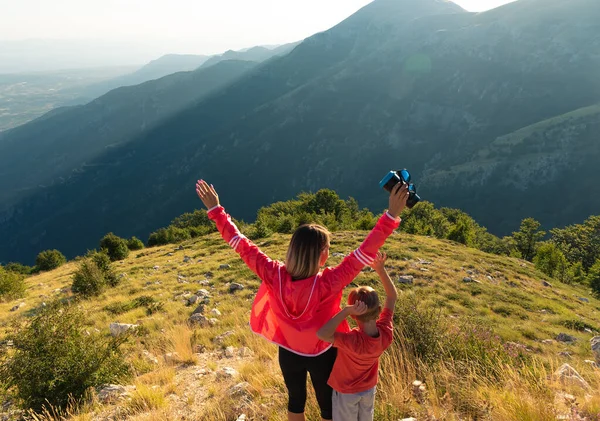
{"x":354,"y":374}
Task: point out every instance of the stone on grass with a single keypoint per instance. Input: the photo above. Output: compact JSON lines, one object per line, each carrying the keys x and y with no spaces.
{"x":245,"y":352}
{"x":225,"y":266}
{"x":199,"y":310}
{"x":595,"y":342}
{"x":199,"y":319}
{"x":192,"y":300}
{"x":564,"y":337}
{"x":583,"y":300}
{"x":547,"y":284}
{"x":468,"y":280}
{"x":592,"y":363}
{"x":219,"y":339}
{"x":202,"y":293}
{"x":156,"y":267}
{"x":187,"y":259}
{"x":149,"y":357}
{"x":406,"y":279}
{"x":240,"y":389}
{"x":408,"y":419}
{"x":569,"y":376}
{"x":230,"y":352}
{"x":113,"y":392}
{"x":118,"y":329}
{"x":17,"y":307}
{"x":234,"y":286}
{"x":213,"y":322}
{"x":172,"y":358}
{"x":242,"y":417}
{"x":548,"y":341}
{"x":215,"y":312}
{"x":226,"y":373}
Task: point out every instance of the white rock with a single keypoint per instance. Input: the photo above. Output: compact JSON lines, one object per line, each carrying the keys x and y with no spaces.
{"x":112,"y":392}
{"x":408,"y":419}
{"x":148,"y":356}
{"x":568,"y":375}
{"x":242,"y":417}
{"x":117,"y":329}
{"x":202,"y":293}
{"x":215,"y":312}
{"x":239,"y":389}
{"x":226,"y":373}
{"x":225,"y":266}
{"x":245,"y":352}
{"x":192,"y":300}
{"x":230,"y":352}
{"x":172,"y":358}
{"x":156,"y":267}
{"x":219,"y":339}
{"x":564,"y":337}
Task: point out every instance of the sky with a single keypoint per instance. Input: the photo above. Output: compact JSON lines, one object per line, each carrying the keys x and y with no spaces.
{"x":156,"y":27}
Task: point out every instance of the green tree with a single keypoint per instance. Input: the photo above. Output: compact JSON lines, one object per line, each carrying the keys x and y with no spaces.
{"x":580,"y":242}
{"x":550,"y":260}
{"x":463,"y":231}
{"x":135,"y":243}
{"x":50,"y":259}
{"x":527,"y":238}
{"x":115,"y":247}
{"x":18,"y":268}
{"x":94,"y":274}
{"x":56,"y":358}
{"x":594,"y":278}
{"x":424,"y":219}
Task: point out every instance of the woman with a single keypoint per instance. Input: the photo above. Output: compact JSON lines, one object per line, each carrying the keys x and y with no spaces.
{"x":296,"y":298}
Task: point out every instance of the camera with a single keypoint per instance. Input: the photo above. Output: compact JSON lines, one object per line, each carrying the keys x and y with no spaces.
{"x":401,"y":176}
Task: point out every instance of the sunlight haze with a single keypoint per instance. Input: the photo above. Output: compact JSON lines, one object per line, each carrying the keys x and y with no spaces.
{"x":181,"y":26}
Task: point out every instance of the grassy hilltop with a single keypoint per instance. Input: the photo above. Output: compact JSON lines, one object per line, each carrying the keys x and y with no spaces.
{"x":442,"y":337}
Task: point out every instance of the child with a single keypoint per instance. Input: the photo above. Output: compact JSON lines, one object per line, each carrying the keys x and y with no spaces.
{"x":354,"y":374}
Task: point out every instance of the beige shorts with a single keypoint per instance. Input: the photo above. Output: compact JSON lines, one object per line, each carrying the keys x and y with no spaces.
{"x":355,"y":406}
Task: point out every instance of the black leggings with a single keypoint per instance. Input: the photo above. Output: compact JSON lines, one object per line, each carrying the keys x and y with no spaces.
{"x":294,"y":368}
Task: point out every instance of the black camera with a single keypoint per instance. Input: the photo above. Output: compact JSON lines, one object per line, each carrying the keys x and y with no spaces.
{"x":401,"y":176}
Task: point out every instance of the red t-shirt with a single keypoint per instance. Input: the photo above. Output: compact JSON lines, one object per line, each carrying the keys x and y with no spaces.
{"x":357,"y":363}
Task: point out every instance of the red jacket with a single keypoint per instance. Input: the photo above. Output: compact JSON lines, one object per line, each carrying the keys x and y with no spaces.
{"x":287,"y":312}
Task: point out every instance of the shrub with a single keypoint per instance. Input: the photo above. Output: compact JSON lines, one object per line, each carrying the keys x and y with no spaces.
{"x":50,"y":259}
{"x":463,"y":231}
{"x":12,"y":285}
{"x":18,"y":268}
{"x":594,"y":278}
{"x":550,"y":260}
{"x":260,"y":229}
{"x":116,"y":247}
{"x":135,"y":243}
{"x":93,"y":275}
{"x":55,"y":359}
{"x":168,"y":235}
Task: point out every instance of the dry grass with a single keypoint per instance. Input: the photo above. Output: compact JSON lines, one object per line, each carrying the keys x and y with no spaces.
{"x":510,"y":298}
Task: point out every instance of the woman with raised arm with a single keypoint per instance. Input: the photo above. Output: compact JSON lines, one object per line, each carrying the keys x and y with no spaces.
{"x":296,"y":298}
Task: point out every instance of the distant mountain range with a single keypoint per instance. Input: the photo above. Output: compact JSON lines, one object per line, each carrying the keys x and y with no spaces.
{"x":495,"y":113}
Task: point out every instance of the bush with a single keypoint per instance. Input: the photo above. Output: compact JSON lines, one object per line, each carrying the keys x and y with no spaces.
{"x":135,"y":243}
{"x":550,"y":260}
{"x":18,"y":268}
{"x":56,"y":359}
{"x":170,"y":235}
{"x":50,"y":259}
{"x":463,"y":231}
{"x":527,"y":238}
{"x":116,"y":247}
{"x":594,"y":278}
{"x":93,"y":275}
{"x":12,"y":285}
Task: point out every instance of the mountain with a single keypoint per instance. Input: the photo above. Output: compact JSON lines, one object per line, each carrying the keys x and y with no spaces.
{"x":163,"y":66}
{"x":257,"y":54}
{"x":421,"y":84}
{"x":50,"y":148}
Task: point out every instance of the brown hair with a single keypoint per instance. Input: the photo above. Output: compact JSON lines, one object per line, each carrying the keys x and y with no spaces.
{"x":304,"y":252}
{"x":368,"y":296}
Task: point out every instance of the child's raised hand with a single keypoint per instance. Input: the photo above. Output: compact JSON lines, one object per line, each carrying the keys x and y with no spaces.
{"x":207,"y":194}
{"x":357,"y":309}
{"x":379,"y":262}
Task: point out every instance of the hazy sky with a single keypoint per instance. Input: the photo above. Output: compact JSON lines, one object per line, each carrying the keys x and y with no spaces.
{"x":181,"y":26}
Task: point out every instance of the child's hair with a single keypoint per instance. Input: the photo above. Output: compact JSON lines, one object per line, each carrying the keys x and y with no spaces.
{"x":304,"y":252}
{"x":368,"y":296}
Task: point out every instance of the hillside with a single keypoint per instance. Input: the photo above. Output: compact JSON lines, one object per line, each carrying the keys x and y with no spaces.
{"x":162,"y":66}
{"x":258,"y":54}
{"x":52,"y":148}
{"x":402,"y":83}
{"x":507,"y":295}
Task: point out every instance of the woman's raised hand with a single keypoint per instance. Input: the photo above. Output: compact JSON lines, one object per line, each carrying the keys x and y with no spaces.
{"x":398,"y":199}
{"x":207,"y":194}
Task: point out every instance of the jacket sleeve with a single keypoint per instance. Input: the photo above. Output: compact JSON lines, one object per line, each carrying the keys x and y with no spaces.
{"x":345,"y":272}
{"x":256,"y":260}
